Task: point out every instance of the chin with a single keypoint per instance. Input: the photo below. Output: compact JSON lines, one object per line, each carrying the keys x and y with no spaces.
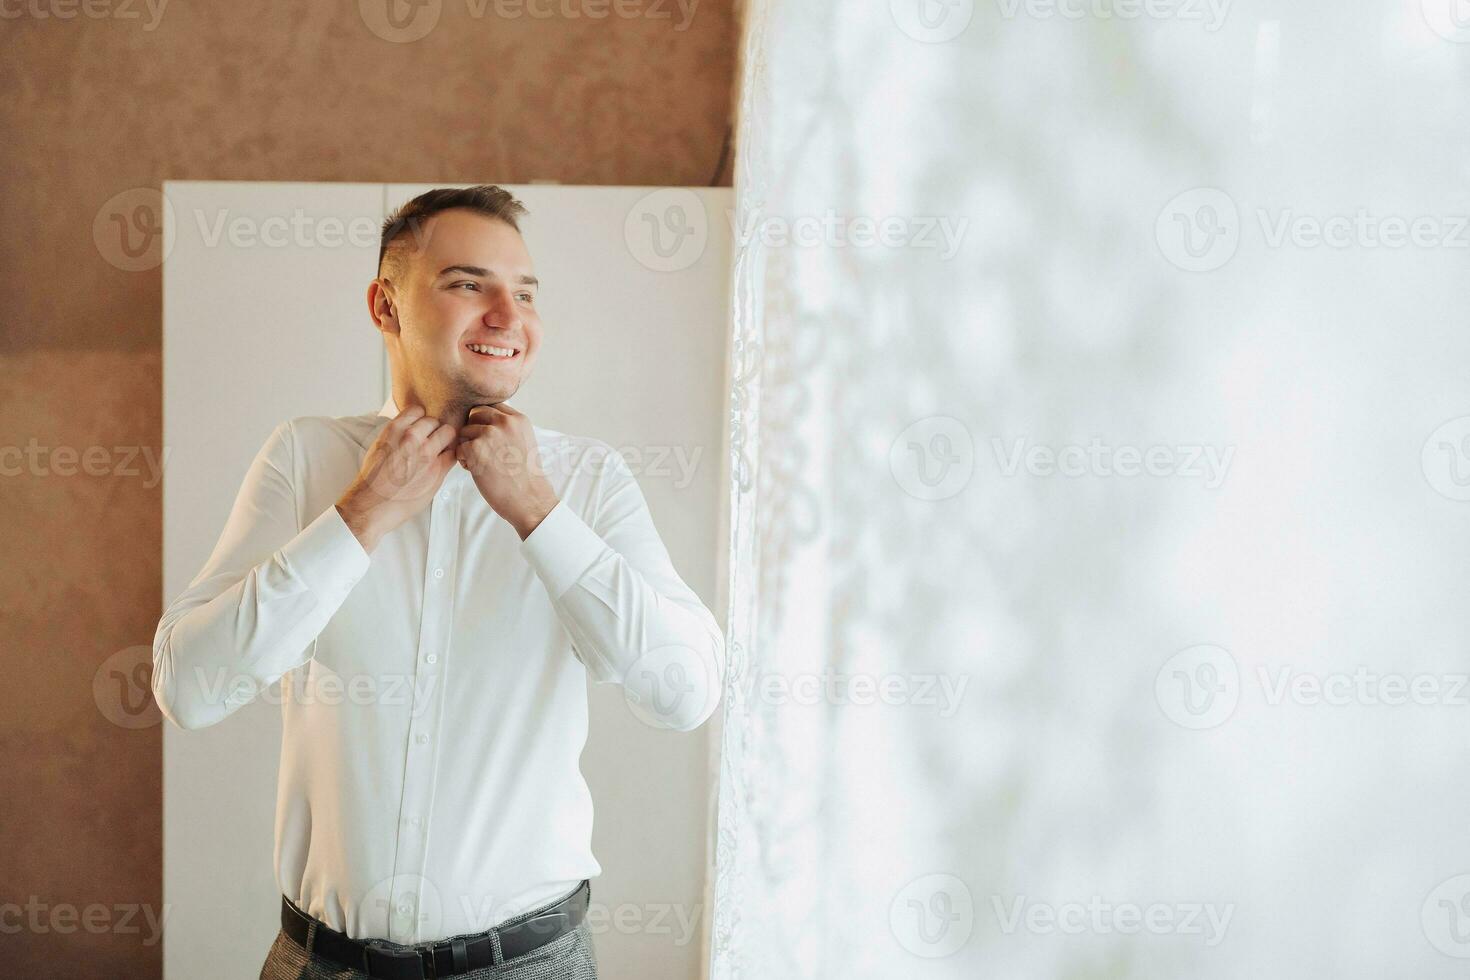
{"x":499,"y":393}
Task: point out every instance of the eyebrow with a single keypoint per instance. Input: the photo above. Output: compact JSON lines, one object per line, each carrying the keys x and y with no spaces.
{"x":483,"y":273}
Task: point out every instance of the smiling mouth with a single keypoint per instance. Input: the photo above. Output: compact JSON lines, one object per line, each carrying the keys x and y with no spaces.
{"x":490,"y":352}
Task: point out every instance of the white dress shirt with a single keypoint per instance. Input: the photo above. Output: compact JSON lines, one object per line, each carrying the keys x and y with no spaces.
{"x":433,"y":693}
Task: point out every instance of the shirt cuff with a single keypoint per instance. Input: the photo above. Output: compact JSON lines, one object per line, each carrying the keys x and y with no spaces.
{"x":561,"y":549}
{"x":327,"y":556}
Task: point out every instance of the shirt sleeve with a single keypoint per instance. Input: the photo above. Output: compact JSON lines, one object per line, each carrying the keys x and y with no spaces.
{"x":632,"y":620}
{"x":257,"y":606}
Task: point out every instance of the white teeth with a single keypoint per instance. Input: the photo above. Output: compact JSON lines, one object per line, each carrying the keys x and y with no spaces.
{"x":486,"y":349}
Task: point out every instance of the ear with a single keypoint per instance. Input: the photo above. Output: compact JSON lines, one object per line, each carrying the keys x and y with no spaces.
{"x":381,"y":305}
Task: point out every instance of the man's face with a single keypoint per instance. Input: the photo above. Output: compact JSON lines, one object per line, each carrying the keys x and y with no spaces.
{"x":465,"y":281}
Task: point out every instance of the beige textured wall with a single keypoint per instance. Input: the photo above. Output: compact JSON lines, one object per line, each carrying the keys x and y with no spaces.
{"x":95,"y":106}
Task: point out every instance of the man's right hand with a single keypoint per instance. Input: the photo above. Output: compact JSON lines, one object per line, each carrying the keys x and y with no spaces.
{"x":400,"y":474}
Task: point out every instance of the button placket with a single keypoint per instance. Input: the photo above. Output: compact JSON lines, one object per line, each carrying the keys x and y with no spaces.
{"x":419,"y":775}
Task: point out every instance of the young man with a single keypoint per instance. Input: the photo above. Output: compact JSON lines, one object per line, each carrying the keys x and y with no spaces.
{"x":434,"y":583}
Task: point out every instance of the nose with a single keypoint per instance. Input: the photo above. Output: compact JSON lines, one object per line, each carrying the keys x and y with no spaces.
{"x":501,"y":311}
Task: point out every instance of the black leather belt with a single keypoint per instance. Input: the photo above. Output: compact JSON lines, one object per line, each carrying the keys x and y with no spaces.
{"x":445,"y":957}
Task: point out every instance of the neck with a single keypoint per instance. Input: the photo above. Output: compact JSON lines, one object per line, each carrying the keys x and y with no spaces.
{"x":454,"y":413}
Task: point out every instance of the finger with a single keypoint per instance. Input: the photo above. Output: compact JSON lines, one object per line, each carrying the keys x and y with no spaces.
{"x":438,"y":469}
{"x":423,"y":427}
{"x":487,"y":413}
{"x":440,"y":438}
{"x":409,"y":415}
{"x":468,"y":432}
{"x":505,"y":407}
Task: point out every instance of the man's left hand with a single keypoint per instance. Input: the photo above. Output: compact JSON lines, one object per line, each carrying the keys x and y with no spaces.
{"x":497,"y":445}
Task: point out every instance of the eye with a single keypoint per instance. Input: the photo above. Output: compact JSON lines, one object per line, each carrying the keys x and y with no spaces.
{"x":473,"y":285}
{"x":527,"y":297}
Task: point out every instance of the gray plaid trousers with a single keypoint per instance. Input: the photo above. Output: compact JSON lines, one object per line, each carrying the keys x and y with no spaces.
{"x":568,"y":957}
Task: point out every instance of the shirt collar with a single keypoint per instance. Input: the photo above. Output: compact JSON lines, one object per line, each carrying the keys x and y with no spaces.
{"x":390,"y":410}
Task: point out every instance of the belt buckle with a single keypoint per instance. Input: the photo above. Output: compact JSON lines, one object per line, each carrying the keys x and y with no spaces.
{"x":422,"y":958}
{"x":546,"y":923}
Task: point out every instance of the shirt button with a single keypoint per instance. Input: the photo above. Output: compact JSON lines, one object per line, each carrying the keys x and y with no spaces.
{"x":432,"y":658}
{"x":438,"y":573}
{"x":423,"y":739}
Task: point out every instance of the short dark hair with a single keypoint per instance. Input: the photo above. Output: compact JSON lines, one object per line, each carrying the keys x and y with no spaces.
{"x":486,"y":199}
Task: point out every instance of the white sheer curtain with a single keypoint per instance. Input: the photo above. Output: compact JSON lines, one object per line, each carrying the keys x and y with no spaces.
{"x":1067,"y":464}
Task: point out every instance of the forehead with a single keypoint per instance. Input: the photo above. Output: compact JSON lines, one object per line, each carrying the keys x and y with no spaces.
{"x":460,"y":237}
